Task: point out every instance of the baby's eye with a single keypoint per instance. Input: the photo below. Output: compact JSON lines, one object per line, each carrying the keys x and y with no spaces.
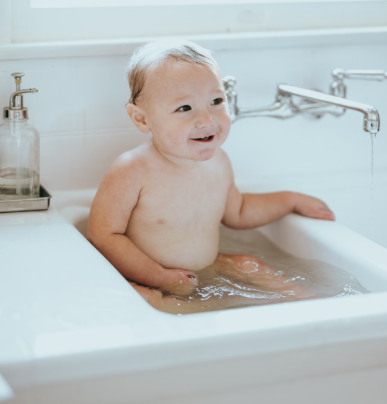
{"x":218,"y":101}
{"x":185,"y":108}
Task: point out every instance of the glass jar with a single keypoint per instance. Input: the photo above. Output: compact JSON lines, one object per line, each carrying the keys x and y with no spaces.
{"x":19,"y":160}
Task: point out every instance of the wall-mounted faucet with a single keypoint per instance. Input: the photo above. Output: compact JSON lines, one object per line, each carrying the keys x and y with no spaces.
{"x":313,"y":103}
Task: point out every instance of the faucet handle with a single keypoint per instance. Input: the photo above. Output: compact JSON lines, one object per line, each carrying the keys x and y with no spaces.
{"x":229,"y":83}
{"x":378,"y":75}
{"x":232,"y":97}
{"x":339,"y":89}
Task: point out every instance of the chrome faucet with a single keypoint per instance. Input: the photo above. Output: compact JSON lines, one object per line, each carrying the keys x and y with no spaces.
{"x":313,"y":103}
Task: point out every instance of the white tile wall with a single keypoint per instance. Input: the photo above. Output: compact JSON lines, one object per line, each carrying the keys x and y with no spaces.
{"x":80,"y":113}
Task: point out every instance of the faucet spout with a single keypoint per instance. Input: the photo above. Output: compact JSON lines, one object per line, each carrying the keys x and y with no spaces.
{"x":371,"y":115}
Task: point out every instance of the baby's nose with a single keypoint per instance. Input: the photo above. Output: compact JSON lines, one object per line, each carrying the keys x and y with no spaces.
{"x":205,"y":120}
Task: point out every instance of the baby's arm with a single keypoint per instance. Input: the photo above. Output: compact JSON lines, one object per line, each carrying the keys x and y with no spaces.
{"x":109,"y":216}
{"x":247,"y":210}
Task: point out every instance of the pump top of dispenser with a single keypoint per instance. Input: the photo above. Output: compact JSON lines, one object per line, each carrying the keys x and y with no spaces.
{"x":16,"y":109}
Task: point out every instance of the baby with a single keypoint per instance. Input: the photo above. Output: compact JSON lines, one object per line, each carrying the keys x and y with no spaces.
{"x":157,"y":212}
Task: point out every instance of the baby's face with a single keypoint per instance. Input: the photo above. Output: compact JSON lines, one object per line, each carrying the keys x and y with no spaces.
{"x":186,"y":110}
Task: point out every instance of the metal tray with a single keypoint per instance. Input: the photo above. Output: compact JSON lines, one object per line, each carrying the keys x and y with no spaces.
{"x":21,"y":205}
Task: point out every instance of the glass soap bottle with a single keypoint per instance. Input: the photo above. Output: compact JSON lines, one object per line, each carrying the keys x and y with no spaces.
{"x":19,"y":149}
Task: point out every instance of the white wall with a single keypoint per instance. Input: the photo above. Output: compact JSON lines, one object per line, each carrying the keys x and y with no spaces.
{"x":26,"y":24}
{"x":79,"y":111}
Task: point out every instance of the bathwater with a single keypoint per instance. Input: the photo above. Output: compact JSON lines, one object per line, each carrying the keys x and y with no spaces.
{"x":289,"y":279}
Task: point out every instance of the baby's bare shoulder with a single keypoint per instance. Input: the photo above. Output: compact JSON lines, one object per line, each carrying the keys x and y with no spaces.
{"x":126,"y":175}
{"x":120,"y":188}
{"x":130,"y":164}
{"x":222,"y":155}
{"x":224,"y":163}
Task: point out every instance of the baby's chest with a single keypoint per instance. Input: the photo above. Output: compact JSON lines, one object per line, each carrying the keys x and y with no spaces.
{"x":179,"y":202}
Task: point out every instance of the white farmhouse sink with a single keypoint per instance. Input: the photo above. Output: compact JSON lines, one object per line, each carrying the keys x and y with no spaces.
{"x":73,"y":330}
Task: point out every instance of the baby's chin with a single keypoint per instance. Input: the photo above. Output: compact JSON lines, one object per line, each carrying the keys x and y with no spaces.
{"x":207,"y":156}
{"x":193,"y":153}
{"x":204,"y":155}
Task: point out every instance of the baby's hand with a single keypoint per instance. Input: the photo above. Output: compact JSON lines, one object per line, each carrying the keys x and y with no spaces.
{"x":178,"y":281}
{"x":312,"y":207}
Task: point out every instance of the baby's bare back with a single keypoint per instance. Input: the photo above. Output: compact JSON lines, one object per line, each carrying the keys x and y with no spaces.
{"x":179,"y":209}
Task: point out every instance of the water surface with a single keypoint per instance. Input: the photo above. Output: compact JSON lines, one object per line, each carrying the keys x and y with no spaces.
{"x":300,"y":279}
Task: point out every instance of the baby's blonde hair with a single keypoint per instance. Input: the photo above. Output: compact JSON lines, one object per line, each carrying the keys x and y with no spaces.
{"x":154,"y":53}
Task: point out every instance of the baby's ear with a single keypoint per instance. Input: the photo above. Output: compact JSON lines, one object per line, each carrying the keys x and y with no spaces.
{"x":137,"y":115}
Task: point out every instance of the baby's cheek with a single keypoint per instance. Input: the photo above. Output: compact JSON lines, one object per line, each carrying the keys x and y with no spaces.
{"x":224,"y":131}
{"x":180,"y":135}
{"x":226,"y":124}
{"x":174,"y":141}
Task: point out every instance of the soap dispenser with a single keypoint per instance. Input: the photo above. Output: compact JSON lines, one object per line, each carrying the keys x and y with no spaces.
{"x":19,"y":149}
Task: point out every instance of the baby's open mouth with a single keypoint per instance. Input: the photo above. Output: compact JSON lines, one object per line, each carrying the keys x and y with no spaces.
{"x":204,"y":139}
